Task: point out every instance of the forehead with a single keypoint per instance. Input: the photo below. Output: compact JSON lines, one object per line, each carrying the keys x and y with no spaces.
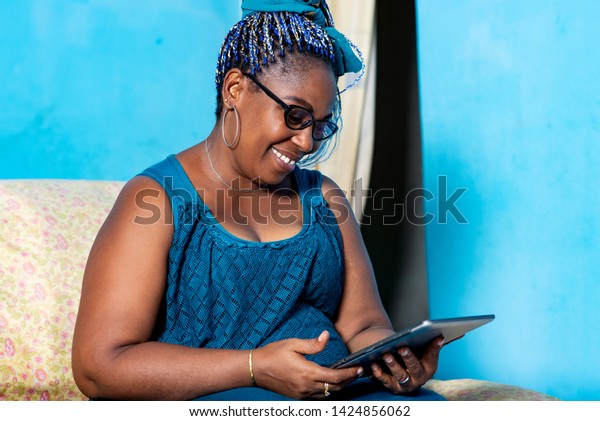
{"x":315,"y":85}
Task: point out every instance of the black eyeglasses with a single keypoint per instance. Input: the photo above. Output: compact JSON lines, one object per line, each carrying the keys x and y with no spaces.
{"x":299,"y":118}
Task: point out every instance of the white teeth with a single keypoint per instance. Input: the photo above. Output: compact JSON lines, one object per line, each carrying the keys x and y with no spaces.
{"x":284,"y":158}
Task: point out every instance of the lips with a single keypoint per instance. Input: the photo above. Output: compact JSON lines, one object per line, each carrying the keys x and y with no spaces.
{"x":284,"y":158}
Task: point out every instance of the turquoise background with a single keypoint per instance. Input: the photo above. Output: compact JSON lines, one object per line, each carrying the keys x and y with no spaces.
{"x":100,"y":89}
{"x":510,"y":103}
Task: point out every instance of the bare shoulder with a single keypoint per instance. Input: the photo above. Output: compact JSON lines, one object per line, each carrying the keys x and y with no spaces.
{"x":139,"y":191}
{"x":337,"y":201}
{"x":135,"y":238}
{"x":142,"y":205}
{"x":331,"y":190}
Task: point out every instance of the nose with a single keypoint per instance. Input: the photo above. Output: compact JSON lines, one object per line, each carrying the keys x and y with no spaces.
{"x":303,"y":140}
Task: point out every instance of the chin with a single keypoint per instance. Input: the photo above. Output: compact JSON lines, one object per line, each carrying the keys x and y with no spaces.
{"x":275,"y":180}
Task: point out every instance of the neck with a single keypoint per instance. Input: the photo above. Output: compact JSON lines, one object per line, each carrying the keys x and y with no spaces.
{"x":235,"y":183}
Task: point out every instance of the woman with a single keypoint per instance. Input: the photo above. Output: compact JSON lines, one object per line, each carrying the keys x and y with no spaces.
{"x":228,"y":272}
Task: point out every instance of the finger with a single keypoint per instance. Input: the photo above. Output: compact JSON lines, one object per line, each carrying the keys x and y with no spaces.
{"x":398,"y":372}
{"x":311,"y":346}
{"x":412,"y":363}
{"x":385,"y":379}
{"x":431,"y":357}
{"x":323,"y":387}
{"x":323,"y":390}
{"x":339,"y":375}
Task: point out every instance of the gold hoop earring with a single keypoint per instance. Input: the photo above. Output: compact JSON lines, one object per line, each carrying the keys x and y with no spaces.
{"x":237,"y":126}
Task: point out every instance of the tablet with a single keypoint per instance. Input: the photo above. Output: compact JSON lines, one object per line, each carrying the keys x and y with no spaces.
{"x":416,"y":338}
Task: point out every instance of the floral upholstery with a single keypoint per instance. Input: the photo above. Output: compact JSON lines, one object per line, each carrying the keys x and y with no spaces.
{"x":46,"y":230}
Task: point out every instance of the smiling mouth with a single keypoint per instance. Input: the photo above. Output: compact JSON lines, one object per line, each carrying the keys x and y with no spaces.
{"x":282,"y":157}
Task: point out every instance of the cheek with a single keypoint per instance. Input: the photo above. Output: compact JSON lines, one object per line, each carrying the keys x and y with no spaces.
{"x":266,"y":126}
{"x":317,"y":146}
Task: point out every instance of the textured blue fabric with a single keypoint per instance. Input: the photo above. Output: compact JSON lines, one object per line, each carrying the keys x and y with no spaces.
{"x":226,"y":292}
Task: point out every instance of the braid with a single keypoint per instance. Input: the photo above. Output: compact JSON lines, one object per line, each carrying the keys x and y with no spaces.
{"x":252,"y":42}
{"x":328,"y":16}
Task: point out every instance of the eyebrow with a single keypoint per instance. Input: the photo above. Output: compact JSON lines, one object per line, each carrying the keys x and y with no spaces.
{"x":292,"y":98}
{"x":300,"y":101}
{"x":305,"y":104}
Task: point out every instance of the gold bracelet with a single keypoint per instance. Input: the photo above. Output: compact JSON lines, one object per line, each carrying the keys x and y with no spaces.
{"x":250,"y":366}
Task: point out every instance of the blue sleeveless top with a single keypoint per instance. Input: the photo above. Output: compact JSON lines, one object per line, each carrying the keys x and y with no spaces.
{"x":229,"y":293}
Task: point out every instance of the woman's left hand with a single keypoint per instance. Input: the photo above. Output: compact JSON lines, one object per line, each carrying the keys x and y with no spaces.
{"x":417,"y":372}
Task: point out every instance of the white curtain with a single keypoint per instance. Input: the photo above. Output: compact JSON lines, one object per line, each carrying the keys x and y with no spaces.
{"x":350,"y":165}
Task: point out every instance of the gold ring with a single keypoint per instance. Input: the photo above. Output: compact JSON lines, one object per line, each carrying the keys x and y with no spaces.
{"x":326,"y":392}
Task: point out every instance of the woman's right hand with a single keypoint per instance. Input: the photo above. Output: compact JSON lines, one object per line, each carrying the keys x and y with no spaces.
{"x":282,"y":367}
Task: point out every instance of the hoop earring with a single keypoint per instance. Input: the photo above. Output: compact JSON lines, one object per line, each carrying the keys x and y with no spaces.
{"x":237,"y":126}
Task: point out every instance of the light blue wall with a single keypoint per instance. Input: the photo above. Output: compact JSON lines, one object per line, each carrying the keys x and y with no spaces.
{"x":510,"y":96}
{"x":100,"y":89}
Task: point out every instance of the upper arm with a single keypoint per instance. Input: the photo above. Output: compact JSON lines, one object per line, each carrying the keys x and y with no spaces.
{"x":125,"y":275}
{"x":361,"y":306}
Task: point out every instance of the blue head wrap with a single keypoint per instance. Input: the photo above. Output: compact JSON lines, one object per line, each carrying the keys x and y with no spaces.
{"x":345,"y":53}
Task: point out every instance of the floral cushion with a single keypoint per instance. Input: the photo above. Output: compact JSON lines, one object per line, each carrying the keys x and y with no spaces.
{"x":46,"y":230}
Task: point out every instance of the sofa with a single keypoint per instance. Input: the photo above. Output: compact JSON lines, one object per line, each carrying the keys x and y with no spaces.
{"x":47,"y":228}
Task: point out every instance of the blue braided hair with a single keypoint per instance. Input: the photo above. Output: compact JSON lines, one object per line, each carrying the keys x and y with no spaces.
{"x":265,"y":37}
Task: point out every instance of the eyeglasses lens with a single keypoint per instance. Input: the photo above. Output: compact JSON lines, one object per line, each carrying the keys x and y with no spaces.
{"x":298,"y":118}
{"x":323,"y":130}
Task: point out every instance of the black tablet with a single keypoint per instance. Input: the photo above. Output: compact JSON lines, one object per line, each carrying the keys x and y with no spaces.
{"x":416,"y":338}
